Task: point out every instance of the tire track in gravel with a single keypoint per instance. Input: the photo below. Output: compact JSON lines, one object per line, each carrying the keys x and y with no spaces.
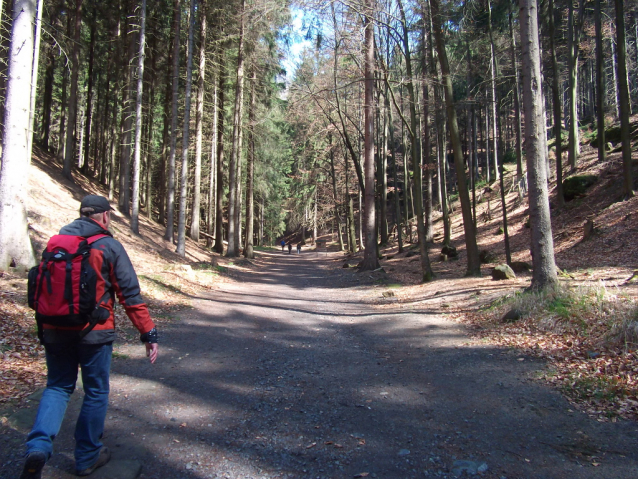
{"x":291,"y":373}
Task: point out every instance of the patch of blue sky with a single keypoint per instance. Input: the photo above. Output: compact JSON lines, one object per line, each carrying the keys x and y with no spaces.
{"x":295,"y":40}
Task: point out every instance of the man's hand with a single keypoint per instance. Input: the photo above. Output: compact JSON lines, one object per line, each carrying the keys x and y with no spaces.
{"x":151,"y":351}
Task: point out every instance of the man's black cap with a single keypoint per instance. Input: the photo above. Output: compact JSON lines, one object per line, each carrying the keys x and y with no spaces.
{"x":92,"y":204}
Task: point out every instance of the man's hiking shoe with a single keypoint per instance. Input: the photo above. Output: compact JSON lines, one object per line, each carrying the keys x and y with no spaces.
{"x":103,"y":458}
{"x":33,"y":465}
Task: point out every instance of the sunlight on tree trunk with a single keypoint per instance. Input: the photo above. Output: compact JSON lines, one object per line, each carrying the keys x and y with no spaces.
{"x":181,"y":225}
{"x":542,"y":243}
{"x":370,"y":259}
{"x":135,"y":213}
{"x":15,"y":245}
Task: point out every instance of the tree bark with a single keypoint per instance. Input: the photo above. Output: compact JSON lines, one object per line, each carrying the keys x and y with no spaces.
{"x":473,"y":260}
{"x":517,"y":105}
{"x":64,"y":102}
{"x":250,"y":168}
{"x":47,"y":101}
{"x":124,"y":200}
{"x":114,"y":121}
{"x":235,"y":154}
{"x":600,"y":87}
{"x":15,"y":245}
{"x":219,"y":215}
{"x":625,"y":102}
{"x":556,"y":105}
{"x":162,"y":195}
{"x":425,"y":138}
{"x":89,"y":95}
{"x":426,"y":269}
{"x":334,"y":190}
{"x":395,"y":177}
{"x":352,"y":240}
{"x":181,"y":224}
{"x":212,"y":184}
{"x":383,"y":181}
{"x":542,"y":244}
{"x":169,"y":235}
{"x":34,"y":76}
{"x":196,"y":217}
{"x":370,"y":259}
{"x":75,"y":70}
{"x":493,"y":75}
{"x":573,"y":50}
{"x":135,"y":221}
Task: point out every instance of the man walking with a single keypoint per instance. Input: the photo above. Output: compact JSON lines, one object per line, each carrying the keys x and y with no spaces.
{"x":68,"y":347}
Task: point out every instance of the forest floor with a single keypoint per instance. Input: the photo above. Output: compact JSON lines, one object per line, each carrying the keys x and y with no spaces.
{"x":293,"y":366}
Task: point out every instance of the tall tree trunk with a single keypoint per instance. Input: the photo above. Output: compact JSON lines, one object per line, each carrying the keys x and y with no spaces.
{"x":334,"y":190}
{"x":487,"y":140}
{"x":235,"y":154}
{"x":212,"y":183}
{"x":148,"y":156}
{"x":181,"y":224}
{"x":34,"y":76}
{"x":15,"y":245}
{"x":556,"y":103}
{"x":352,"y":240}
{"x":441,"y":142}
{"x":124,"y":200}
{"x":542,"y":245}
{"x":162,"y":195}
{"x":625,"y":102}
{"x":573,"y":50}
{"x":238,"y":194}
{"x":5,"y":43}
{"x":103,"y":142}
{"x":473,"y":260}
{"x":64,"y":102}
{"x":614,"y":70}
{"x":383,"y":181}
{"x":517,"y":104}
{"x":219,"y":215}
{"x":395,"y":176}
{"x":169,"y":235}
{"x":600,"y":86}
{"x":469,"y":112}
{"x":195,"y":218}
{"x":89,"y":95}
{"x":426,"y":269}
{"x":370,"y":259}
{"x":116,"y":100}
{"x":250,"y":168}
{"x":75,"y":70}
{"x":493,"y":75}
{"x":135,"y":221}
{"x":47,"y":100}
{"x":425,"y":137}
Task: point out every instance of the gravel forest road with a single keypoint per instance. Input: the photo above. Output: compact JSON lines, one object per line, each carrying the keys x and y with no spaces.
{"x":292,"y":372}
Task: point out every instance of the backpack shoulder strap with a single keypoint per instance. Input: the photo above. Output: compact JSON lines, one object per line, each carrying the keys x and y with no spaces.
{"x":94,"y":238}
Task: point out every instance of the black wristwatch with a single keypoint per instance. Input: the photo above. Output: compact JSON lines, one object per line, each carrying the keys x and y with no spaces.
{"x":150,"y":337}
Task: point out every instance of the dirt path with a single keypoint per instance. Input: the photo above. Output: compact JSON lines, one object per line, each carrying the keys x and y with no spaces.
{"x":291,"y":372}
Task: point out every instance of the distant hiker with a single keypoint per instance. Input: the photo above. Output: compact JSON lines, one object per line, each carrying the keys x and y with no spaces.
{"x":298,"y":248}
{"x":283,"y":245}
{"x":290,"y":247}
{"x":86,"y":264}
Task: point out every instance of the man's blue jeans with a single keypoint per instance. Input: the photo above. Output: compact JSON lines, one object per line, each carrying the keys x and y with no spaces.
{"x":62,"y":363}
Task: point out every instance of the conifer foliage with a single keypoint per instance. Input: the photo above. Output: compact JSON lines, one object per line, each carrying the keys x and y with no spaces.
{"x":392,"y":109}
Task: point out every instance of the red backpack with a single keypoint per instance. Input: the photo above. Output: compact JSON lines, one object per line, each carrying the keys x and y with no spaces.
{"x":62,"y":289}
